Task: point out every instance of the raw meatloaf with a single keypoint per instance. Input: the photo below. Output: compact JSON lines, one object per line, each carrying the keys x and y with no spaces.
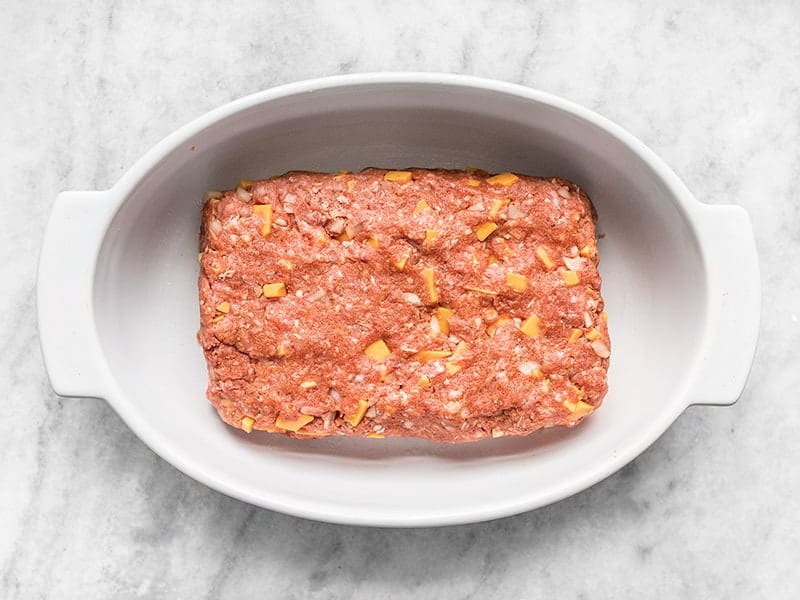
{"x":447,"y":305}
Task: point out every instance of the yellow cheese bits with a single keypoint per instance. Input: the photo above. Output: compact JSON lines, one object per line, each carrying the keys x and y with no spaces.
{"x":543,"y":255}
{"x":484,"y":230}
{"x":421,"y":206}
{"x":224,"y":307}
{"x":274,"y":290}
{"x":400,"y":261}
{"x":472,"y":182}
{"x":264,"y":212}
{"x":443,"y":315}
{"x":516,"y":281}
{"x":460,"y":351}
{"x":452,"y":368}
{"x":293,"y":424}
{"x":378,"y":351}
{"x":429,"y":277}
{"x":374,"y":242}
{"x":574,"y":335}
{"x":505,"y":179}
{"x":531,"y":326}
{"x":356,"y":417}
{"x":579,"y":408}
{"x":430,"y":236}
{"x":427,"y":355}
{"x":592,"y":334}
{"x":247,"y":424}
{"x":570,"y":277}
{"x":398,"y":176}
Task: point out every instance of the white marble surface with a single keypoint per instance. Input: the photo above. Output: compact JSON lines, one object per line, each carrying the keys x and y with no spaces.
{"x":710,"y":510}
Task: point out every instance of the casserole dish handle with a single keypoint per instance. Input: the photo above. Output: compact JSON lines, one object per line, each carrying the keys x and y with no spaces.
{"x":70,"y":347}
{"x":734,"y":305}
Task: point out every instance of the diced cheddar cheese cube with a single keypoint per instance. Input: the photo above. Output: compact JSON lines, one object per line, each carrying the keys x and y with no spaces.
{"x":460,"y":351}
{"x":574,"y":335}
{"x":517,"y":281}
{"x":293,"y":424}
{"x":430,"y":236}
{"x":247,"y":424}
{"x":378,"y":351}
{"x":424,"y":381}
{"x":274,"y":290}
{"x":505,"y":179}
{"x":587,"y":251}
{"x":579,"y":408}
{"x":570,"y":277}
{"x":472,"y":182}
{"x":224,"y":307}
{"x":592,"y":334}
{"x":264,"y":212}
{"x":531,"y":326}
{"x":429,"y":278}
{"x":421,"y":206}
{"x":398,"y":176}
{"x":356,"y":417}
{"x":443,"y":315}
{"x":484,"y":230}
{"x":544,"y":256}
{"x":427,"y":355}
{"x":400,"y":261}
{"x":452,"y":368}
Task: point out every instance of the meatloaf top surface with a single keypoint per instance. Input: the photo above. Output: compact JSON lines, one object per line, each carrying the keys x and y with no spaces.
{"x":448,"y":305}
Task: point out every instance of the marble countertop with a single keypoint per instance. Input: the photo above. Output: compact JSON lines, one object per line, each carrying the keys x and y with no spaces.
{"x":712,"y":509}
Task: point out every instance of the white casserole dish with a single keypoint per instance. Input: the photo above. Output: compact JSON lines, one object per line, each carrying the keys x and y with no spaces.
{"x":117,"y":294}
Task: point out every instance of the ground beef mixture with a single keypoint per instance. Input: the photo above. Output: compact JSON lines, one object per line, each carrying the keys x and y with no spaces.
{"x":448,"y":305}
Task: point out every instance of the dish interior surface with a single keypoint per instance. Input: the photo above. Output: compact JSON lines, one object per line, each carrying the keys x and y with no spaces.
{"x":145,"y":302}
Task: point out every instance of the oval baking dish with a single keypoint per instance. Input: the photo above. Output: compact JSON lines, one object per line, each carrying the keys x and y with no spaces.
{"x":118,"y":312}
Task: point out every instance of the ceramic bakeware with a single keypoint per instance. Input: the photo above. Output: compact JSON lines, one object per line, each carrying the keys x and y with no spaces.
{"x":118,"y":314}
